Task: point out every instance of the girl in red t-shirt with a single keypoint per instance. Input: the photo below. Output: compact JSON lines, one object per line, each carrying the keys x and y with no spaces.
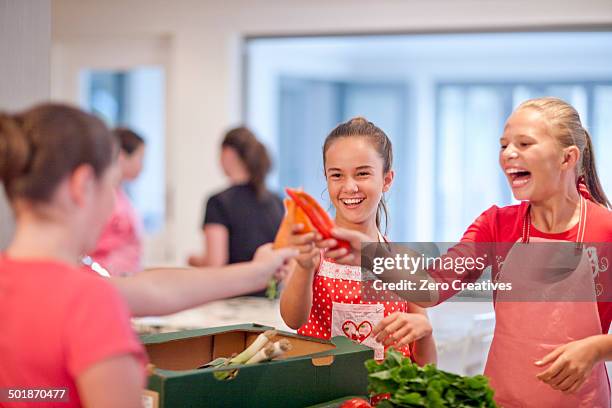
{"x":549,"y":352}
{"x":62,"y":325}
{"x":323,"y":298}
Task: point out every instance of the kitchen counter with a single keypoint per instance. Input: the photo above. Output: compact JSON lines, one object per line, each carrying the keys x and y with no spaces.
{"x":462,"y":330}
{"x":219,"y":313}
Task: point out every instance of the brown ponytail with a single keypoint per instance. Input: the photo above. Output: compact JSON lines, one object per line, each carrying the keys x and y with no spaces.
{"x":42,"y":145}
{"x":14,"y":150}
{"x":589,"y":172}
{"x":253,"y":154}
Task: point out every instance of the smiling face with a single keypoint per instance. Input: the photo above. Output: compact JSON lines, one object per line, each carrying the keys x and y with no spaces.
{"x":534,"y":162}
{"x":355,"y":179}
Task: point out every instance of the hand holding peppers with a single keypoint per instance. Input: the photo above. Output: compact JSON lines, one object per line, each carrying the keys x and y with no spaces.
{"x":344,"y":255}
{"x":303,"y":209}
{"x":294,"y":216}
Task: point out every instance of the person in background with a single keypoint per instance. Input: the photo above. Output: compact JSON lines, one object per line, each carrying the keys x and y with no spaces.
{"x":63,"y":325}
{"x":245,"y":215}
{"x":119,"y":249}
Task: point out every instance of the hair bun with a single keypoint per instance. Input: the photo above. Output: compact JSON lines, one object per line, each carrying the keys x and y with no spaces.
{"x":14,"y":149}
{"x":359,"y":120}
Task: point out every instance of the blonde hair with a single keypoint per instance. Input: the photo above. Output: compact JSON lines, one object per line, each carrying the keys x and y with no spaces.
{"x":567,"y":128}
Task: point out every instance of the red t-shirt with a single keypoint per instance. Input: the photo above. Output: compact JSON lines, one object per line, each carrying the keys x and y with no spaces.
{"x":57,"y":321}
{"x":504,"y":226}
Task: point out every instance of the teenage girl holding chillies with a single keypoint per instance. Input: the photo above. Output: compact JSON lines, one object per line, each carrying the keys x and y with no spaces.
{"x":545,"y":353}
{"x":324,"y":299}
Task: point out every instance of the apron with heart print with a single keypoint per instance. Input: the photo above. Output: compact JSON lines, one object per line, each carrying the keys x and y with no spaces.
{"x":338,"y":308}
{"x":356,"y":321}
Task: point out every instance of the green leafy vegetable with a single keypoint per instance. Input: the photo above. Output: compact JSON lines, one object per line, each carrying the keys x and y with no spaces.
{"x":412,"y":386}
{"x":272,"y":289}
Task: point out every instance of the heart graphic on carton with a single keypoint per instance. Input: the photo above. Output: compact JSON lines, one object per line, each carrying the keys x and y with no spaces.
{"x":357,"y":332}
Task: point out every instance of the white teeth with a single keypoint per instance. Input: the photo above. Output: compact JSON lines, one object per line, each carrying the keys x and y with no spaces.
{"x":514,"y":170}
{"x":520,"y":183}
{"x":351,"y":201}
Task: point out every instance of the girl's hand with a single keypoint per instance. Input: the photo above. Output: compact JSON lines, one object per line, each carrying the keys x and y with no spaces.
{"x":399,"y":329}
{"x":571,"y":364}
{"x":281,"y":274}
{"x":341,"y":255}
{"x":305,"y":244}
{"x":273,"y":261}
{"x":196,"y":261}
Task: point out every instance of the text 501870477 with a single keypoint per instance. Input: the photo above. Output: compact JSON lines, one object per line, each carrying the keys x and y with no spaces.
{"x":33,"y":394}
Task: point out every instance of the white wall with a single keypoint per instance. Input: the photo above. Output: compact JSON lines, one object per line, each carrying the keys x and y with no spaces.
{"x":204,"y":59}
{"x":25,"y":43}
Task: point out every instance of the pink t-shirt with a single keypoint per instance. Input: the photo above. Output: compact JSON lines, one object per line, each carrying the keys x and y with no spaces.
{"x":56,"y":321}
{"x":119,"y":248}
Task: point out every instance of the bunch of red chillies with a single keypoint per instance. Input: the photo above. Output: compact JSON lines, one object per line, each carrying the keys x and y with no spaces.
{"x":317,"y":215}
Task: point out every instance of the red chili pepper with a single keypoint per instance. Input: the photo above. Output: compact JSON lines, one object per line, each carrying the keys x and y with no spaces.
{"x":317,"y":215}
{"x":356,"y":403}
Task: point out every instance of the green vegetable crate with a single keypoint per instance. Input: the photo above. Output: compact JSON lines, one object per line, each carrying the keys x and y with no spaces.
{"x":312,"y":372}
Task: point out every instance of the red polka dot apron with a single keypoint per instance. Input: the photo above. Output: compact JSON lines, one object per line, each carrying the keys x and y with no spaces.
{"x":338,"y":309}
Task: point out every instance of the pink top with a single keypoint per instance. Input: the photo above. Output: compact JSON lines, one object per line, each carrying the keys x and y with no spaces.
{"x":119,"y":248}
{"x":57,"y":321}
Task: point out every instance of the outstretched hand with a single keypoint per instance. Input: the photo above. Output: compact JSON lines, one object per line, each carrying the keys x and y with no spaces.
{"x":273,"y":261}
{"x":351,"y":256}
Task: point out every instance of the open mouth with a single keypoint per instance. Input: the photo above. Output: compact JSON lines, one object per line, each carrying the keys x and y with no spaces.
{"x":352,"y":202}
{"x":518,"y":177}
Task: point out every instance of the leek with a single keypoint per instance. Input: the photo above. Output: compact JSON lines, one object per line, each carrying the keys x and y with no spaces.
{"x":272,"y":350}
{"x":259,"y":343}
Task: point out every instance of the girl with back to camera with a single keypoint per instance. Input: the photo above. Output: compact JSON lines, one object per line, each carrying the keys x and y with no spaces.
{"x":246,"y":215}
{"x":64,"y":326}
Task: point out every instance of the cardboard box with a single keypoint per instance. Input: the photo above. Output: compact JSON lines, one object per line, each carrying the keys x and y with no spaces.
{"x":313,"y":372}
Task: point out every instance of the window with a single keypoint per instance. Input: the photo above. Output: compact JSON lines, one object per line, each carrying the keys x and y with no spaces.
{"x":135,"y":98}
{"x":469,"y":114}
{"x":442,"y":98}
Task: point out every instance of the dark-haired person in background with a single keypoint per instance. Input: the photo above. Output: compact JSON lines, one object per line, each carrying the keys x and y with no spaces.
{"x":119,"y":249}
{"x":245,"y":215}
